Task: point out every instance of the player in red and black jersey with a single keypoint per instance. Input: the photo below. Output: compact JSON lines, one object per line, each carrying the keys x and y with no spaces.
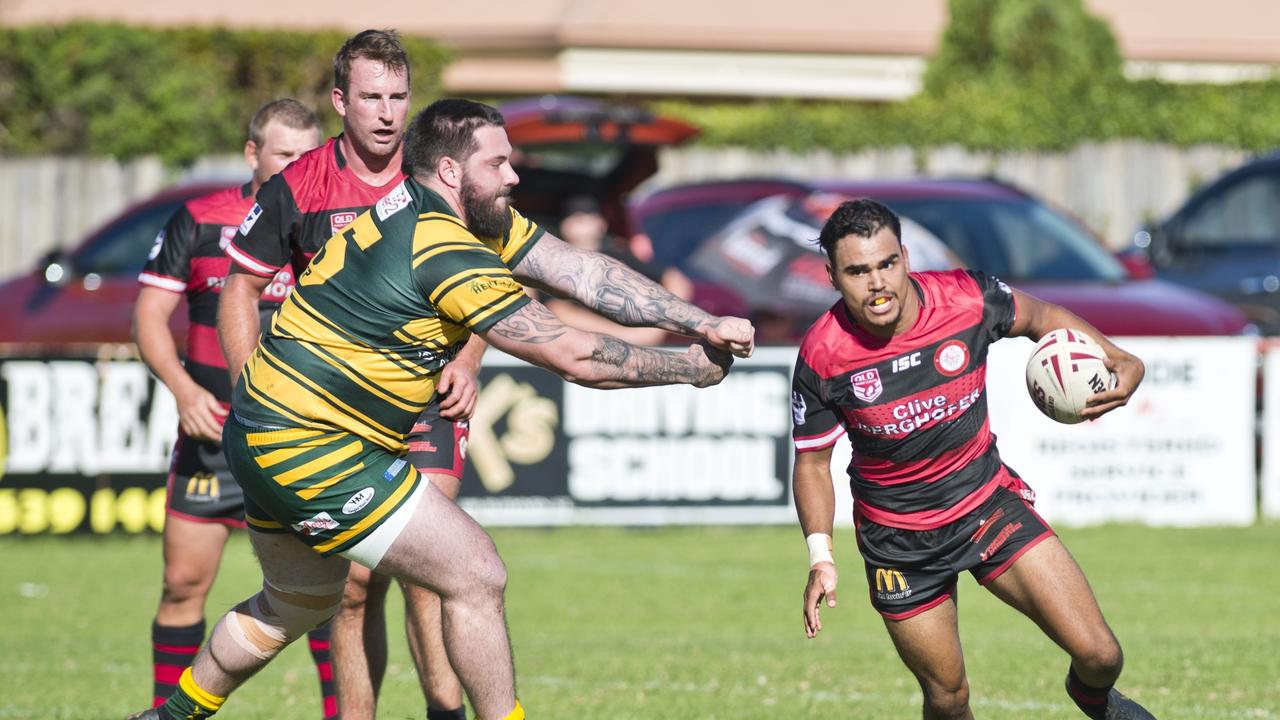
{"x":295,"y":214}
{"x":203,"y":501}
{"x":899,"y":365}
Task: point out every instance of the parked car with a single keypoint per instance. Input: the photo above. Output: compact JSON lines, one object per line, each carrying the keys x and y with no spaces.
{"x":988,"y":225}
{"x":86,"y":294}
{"x":1225,"y":240}
{"x":570,"y":146}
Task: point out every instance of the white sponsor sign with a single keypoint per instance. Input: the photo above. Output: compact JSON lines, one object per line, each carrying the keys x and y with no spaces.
{"x":1180,"y":453}
{"x":1271,"y":433}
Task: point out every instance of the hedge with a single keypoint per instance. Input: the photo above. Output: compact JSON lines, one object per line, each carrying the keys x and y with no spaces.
{"x":124,"y":91}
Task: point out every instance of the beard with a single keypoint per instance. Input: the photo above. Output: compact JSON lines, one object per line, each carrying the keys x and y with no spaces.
{"x":487,"y":215}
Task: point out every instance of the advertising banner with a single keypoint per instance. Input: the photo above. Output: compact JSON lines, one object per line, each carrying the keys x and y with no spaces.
{"x":1182,"y":452}
{"x":548,"y":452}
{"x":85,"y":442}
{"x":1270,"y":479}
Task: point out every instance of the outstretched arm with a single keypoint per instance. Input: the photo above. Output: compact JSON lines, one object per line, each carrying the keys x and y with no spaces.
{"x":625,"y":296}
{"x":1037,"y":318}
{"x":535,"y":334}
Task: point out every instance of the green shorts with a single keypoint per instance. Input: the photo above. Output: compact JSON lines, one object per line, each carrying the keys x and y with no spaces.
{"x":329,"y":488}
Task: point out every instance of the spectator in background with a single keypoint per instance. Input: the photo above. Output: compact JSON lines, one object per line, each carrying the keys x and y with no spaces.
{"x":583,"y":226}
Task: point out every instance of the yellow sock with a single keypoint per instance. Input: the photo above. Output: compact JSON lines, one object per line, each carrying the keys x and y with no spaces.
{"x":515,"y":714}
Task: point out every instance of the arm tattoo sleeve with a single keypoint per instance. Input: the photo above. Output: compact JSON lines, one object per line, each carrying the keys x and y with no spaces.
{"x":633,"y":365}
{"x":609,"y":288}
{"x":534,"y":323}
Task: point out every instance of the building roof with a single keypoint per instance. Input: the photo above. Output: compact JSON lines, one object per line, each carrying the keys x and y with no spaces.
{"x":864,"y":48}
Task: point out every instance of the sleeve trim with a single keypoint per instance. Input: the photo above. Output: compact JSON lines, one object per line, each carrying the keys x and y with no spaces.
{"x":164,"y":282}
{"x":250,"y":263}
{"x":818,"y":442}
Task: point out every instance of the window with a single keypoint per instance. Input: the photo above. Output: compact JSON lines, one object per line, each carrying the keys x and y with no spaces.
{"x":1244,"y":212}
{"x":121,"y":248}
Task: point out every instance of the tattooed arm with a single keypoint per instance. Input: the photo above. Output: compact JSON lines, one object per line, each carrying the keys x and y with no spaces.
{"x":535,"y":334}
{"x":626,"y":297}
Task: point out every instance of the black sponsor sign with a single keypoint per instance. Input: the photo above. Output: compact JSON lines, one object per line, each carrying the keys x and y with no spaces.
{"x":86,"y":439}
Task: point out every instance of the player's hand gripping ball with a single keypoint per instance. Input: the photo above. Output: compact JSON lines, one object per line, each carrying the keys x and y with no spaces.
{"x":1064,"y":371}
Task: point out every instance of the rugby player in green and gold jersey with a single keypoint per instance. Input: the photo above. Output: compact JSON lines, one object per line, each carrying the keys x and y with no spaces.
{"x":319,"y":418}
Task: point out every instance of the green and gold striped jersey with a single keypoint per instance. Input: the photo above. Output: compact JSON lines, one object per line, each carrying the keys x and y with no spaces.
{"x":360,"y":342}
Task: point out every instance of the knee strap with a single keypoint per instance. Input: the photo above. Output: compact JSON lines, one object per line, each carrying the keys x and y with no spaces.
{"x":277,"y":616}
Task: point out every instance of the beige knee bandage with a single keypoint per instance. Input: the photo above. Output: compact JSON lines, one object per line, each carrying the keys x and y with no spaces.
{"x":276,"y":616}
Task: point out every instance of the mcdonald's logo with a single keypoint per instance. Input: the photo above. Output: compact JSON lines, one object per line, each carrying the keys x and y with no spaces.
{"x":888,"y":581}
{"x":204,"y":485}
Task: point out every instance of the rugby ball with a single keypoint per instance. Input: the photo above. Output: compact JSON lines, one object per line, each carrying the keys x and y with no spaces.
{"x":1064,"y":370}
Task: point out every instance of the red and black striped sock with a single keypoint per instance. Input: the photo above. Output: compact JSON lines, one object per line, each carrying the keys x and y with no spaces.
{"x":318,"y":641}
{"x":172,"y":650}
{"x":1092,"y":701}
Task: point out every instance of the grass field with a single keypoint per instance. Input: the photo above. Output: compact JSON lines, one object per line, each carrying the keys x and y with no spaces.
{"x":686,"y":623}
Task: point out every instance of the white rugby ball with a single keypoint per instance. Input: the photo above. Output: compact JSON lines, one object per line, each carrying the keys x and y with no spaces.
{"x":1064,"y":370}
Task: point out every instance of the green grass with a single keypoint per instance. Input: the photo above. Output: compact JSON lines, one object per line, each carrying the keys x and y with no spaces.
{"x":686,"y":623}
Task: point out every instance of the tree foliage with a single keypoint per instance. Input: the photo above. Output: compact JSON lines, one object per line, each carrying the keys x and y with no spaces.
{"x":1011,"y":75}
{"x":123,"y":91}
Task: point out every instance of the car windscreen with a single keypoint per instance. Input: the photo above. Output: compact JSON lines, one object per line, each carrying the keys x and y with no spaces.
{"x":677,"y":233}
{"x":121,"y":248}
{"x":1016,"y":239}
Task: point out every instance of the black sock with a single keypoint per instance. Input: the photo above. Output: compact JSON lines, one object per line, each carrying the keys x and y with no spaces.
{"x":459,"y":713}
{"x":318,"y":642}
{"x":173,"y":648}
{"x":1092,"y":701}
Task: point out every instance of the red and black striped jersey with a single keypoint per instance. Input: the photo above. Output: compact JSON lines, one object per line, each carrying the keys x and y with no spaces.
{"x":914,"y":406}
{"x":299,"y":209}
{"x":189,"y":258}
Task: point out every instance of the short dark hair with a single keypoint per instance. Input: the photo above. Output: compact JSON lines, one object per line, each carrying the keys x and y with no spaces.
{"x":863,"y":217}
{"x":287,"y":112}
{"x":381,"y":45}
{"x":446,"y":128}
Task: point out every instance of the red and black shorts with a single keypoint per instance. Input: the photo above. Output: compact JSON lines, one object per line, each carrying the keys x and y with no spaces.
{"x":437,"y":445}
{"x":910,"y":571}
{"x":200,"y":485}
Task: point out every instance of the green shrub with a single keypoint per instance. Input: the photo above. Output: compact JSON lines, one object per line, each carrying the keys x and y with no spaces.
{"x":123,"y":91}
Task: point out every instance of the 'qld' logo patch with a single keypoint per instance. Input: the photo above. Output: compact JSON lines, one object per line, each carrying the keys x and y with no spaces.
{"x":866,"y":385}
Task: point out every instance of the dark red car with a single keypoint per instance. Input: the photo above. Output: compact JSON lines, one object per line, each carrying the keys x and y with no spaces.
{"x":988,"y":225}
{"x":86,"y":294}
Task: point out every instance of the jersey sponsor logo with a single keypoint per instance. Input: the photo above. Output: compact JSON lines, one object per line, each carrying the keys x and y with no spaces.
{"x":504,"y":284}
{"x":393,"y":469}
{"x":906,"y":362}
{"x":919,"y":413}
{"x":999,"y":540}
{"x":393,"y":202}
{"x":316,"y":525}
{"x":228,"y":234}
{"x":798,"y":408}
{"x":357,"y":502}
{"x":340,"y":220}
{"x":891,"y":585}
{"x":203,"y":488}
{"x":155,"y":249}
{"x":255,"y":212}
{"x":866,"y":385}
{"x":951,"y":358}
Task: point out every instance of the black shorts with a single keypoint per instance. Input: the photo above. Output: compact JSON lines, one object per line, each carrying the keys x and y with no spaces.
{"x":200,"y":485}
{"x":910,"y":571}
{"x":437,"y":445}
